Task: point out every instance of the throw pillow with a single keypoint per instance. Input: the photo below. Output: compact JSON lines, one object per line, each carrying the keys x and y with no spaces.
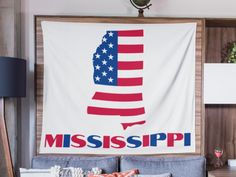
{"x":35,"y":172}
{"x":57,"y":171}
{"x":118,"y":174}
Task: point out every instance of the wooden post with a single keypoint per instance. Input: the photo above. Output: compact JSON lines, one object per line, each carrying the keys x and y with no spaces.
{"x":5,"y":140}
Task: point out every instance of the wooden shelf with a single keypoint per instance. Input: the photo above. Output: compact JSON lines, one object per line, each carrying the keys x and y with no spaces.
{"x":220,"y":118}
{"x":223,"y":172}
{"x":227,"y":22}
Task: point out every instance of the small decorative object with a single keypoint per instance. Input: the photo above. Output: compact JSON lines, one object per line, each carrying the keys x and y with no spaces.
{"x":141,"y":5}
{"x":229,"y":53}
{"x":218,"y":153}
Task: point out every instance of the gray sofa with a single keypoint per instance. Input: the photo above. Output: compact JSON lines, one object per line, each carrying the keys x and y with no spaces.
{"x":178,"y":167}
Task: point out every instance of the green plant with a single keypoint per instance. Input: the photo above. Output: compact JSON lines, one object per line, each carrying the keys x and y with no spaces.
{"x":232,"y":53}
{"x":228,"y":53}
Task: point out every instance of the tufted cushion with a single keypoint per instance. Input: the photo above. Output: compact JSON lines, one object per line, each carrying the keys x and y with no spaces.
{"x":107,"y":164}
{"x":46,"y":162}
{"x":160,"y":175}
{"x":178,"y":167}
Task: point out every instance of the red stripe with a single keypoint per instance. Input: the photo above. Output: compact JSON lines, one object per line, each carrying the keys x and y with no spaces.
{"x":131,"y":33}
{"x":131,"y":124}
{"x":117,"y":97}
{"x":115,"y":111}
{"x":130,"y":65}
{"x":130,"y":81}
{"x":135,"y":48}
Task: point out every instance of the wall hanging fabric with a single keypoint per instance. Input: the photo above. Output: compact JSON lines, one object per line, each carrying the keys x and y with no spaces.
{"x":118,"y":88}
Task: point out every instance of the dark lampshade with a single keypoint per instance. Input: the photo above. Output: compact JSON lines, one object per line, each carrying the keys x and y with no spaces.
{"x":12,"y":77}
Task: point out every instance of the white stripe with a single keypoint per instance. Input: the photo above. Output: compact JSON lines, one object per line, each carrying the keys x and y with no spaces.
{"x":118,"y":89}
{"x":130,"y":57}
{"x":130,"y":73}
{"x":130,"y":40}
{"x":114,"y":104}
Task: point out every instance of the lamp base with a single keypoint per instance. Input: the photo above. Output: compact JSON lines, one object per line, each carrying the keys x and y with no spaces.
{"x":5,"y":140}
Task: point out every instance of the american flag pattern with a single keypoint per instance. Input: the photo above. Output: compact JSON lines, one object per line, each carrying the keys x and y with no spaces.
{"x":118,"y":67}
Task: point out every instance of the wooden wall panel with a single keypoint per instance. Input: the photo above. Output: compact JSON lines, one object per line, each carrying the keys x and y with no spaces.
{"x":200,"y":55}
{"x":220,"y":119}
{"x":221,"y":130}
{"x":217,"y":38}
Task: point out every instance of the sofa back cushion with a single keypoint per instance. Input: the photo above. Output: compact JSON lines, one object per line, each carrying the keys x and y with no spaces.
{"x":107,"y":164}
{"x":178,"y":167}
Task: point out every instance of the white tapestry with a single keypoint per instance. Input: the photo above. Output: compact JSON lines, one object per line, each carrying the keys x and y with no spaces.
{"x":118,"y":88}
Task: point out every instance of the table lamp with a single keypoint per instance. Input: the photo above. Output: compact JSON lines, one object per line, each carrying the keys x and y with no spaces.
{"x":12,"y":84}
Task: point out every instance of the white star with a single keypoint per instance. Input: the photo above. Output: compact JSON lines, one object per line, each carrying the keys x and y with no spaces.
{"x":97,"y":55}
{"x":97,"y":78}
{"x":104,"y":50}
{"x":110,"y":79}
{"x":104,"y":73}
{"x":97,"y":67}
{"x":104,"y":39}
{"x":110,"y":68}
{"x":110,"y":45}
{"x":110,"y":34}
{"x":104,"y":62}
{"x":110,"y":57}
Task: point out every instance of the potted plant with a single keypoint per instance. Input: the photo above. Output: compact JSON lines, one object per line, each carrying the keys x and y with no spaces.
{"x":229,"y":53}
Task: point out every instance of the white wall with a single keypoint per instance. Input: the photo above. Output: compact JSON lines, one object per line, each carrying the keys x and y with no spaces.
{"x":160,"y":8}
